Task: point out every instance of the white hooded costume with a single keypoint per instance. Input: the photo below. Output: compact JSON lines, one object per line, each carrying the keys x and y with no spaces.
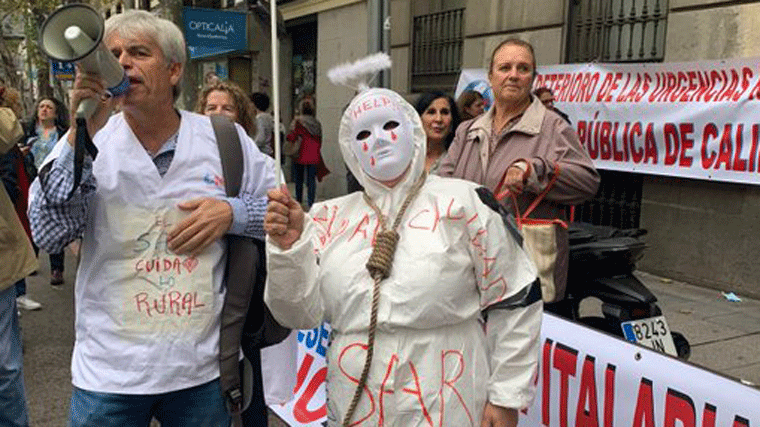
{"x":435,"y":360}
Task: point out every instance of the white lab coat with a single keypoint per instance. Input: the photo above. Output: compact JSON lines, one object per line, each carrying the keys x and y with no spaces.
{"x":435,"y":361}
{"x":147,"y":320}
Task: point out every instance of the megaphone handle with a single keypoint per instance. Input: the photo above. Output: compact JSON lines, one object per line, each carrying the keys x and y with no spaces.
{"x":86,"y":108}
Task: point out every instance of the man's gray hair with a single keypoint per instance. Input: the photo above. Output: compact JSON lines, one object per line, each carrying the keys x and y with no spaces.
{"x":133,"y":23}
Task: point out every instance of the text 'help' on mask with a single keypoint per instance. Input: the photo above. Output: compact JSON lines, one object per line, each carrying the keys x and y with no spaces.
{"x":381,"y":136}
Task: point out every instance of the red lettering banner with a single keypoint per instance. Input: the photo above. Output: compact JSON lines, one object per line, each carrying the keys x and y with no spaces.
{"x":585,"y":379}
{"x":693,"y":120}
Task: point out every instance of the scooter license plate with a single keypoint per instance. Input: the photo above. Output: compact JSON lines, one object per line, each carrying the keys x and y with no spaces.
{"x":652,"y":332}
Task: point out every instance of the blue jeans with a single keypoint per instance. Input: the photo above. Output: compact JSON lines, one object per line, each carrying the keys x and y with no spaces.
{"x":311,"y":182}
{"x":201,"y":406}
{"x":13,"y":411}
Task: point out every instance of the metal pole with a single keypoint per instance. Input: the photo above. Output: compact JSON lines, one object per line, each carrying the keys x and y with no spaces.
{"x":385,"y":76}
{"x":378,"y":35}
{"x":374,"y":36}
{"x":275,"y":88}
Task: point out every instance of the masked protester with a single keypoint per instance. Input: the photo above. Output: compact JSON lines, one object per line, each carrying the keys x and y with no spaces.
{"x":415,"y":323}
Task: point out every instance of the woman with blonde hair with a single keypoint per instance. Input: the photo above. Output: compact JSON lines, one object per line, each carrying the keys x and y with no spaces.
{"x":525,"y":141}
{"x":525,"y":146}
{"x":227,"y":98}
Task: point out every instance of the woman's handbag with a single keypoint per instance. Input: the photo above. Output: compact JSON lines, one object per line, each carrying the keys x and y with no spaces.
{"x":292,"y":148}
{"x":541,"y":241}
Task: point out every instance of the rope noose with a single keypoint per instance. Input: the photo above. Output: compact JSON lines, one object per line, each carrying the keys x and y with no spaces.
{"x":379,"y":266}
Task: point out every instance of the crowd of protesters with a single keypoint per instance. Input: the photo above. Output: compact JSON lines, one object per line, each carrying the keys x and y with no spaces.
{"x":156,"y":180}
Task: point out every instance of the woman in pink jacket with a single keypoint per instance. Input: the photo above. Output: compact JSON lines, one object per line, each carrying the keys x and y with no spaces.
{"x":309,"y":130}
{"x":519,"y":140}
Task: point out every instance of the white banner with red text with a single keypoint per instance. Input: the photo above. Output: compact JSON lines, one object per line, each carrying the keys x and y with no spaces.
{"x":692,"y":119}
{"x":585,"y":379}
{"x":308,"y":406}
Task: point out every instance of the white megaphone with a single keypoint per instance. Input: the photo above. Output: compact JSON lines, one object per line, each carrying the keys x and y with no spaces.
{"x":74,"y":33}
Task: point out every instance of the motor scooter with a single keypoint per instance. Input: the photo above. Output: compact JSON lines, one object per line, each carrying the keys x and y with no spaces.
{"x":601,"y":265}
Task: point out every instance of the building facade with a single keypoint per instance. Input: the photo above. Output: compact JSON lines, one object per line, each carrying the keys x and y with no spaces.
{"x":702,"y":232}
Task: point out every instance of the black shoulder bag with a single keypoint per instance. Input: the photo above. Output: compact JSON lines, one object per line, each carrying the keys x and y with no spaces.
{"x":245,"y":277}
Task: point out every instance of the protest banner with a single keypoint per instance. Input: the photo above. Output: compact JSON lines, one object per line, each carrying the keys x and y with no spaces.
{"x":691,"y":120}
{"x":308,"y":406}
{"x":585,"y":379}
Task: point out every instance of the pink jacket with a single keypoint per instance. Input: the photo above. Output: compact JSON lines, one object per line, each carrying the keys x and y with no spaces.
{"x":540,"y":137}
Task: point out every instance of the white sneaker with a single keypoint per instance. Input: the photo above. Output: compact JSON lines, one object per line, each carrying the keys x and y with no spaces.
{"x":27,"y":303}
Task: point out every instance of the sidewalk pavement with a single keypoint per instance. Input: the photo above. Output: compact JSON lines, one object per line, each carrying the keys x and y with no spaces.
{"x":724,"y":335}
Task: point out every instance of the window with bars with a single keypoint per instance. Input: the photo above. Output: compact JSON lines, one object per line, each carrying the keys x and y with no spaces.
{"x":616,"y":203}
{"x":617,"y":30}
{"x":437,"y":41}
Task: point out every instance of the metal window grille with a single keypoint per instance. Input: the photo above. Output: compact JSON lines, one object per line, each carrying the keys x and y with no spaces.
{"x":437,"y":41}
{"x":617,"y":30}
{"x":617,"y":202}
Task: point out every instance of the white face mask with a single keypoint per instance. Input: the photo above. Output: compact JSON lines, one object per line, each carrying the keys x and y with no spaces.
{"x":381,"y":136}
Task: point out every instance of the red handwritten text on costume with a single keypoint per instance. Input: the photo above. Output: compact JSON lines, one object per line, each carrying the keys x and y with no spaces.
{"x":170,"y":303}
{"x":452,"y":368}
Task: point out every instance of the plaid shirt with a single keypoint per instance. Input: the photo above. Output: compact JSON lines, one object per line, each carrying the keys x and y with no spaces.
{"x":56,"y":221}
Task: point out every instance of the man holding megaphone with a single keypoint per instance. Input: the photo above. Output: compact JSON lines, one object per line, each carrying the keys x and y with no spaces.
{"x":151,"y":211}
